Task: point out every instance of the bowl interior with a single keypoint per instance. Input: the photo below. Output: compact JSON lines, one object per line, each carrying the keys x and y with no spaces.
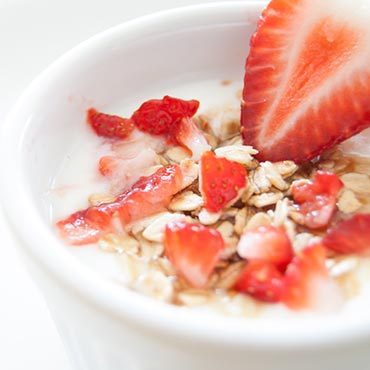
{"x":123,"y":67}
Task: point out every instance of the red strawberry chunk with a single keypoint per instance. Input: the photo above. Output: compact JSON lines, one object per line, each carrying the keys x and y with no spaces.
{"x":194,"y":250}
{"x":86,"y":226}
{"x":351,"y":236}
{"x":317,"y":199}
{"x":220,"y":181}
{"x":109,"y":126}
{"x":307,"y":78}
{"x":161,"y":116}
{"x":261,"y":280}
{"x":266,"y":243}
{"x":307,"y":284}
{"x":147,"y":196}
{"x":150,"y":194}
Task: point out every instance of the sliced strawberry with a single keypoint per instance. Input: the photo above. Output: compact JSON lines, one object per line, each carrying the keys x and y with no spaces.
{"x":161,"y":116}
{"x":147,"y":196}
{"x":109,"y":126}
{"x":307,"y":284}
{"x":194,"y":250}
{"x":220,"y":181}
{"x":86,"y":226}
{"x":307,"y":78}
{"x":351,"y":236}
{"x":317,"y":199}
{"x":261,"y":280}
{"x":266,"y":243}
{"x":150,"y":194}
{"x":189,"y":136}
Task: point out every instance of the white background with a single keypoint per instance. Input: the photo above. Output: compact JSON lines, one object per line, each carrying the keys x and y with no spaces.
{"x":33,"y":33}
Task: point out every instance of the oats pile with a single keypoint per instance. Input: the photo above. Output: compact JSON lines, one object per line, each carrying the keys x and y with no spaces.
{"x":265,"y":200}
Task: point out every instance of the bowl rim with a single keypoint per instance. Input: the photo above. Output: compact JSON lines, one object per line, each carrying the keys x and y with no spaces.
{"x":127,"y":306}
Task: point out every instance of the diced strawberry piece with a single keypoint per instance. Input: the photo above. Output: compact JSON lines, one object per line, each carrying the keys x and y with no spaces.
{"x":150,"y":194}
{"x":317,"y":199}
{"x":220,"y":181}
{"x":351,"y":236}
{"x":324,"y":182}
{"x":108,"y":165}
{"x":189,"y":136}
{"x":261,"y":280}
{"x":147,"y":196}
{"x":161,"y":116}
{"x":109,"y":126}
{"x":307,"y":284}
{"x":266,"y":243}
{"x":86,"y":226}
{"x":307,"y":78}
{"x":194,"y":250}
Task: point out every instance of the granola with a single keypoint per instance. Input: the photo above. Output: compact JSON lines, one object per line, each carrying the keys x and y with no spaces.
{"x":266,"y":200}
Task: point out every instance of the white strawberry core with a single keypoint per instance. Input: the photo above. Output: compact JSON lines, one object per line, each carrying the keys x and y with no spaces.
{"x":320,"y":25}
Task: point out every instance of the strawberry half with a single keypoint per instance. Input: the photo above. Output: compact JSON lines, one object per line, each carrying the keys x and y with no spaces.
{"x":220,"y":181}
{"x":351,"y":236}
{"x":261,"y":280}
{"x":147,"y":196}
{"x":266,"y":243}
{"x":317,"y":199}
{"x":307,"y":78}
{"x":307,"y":284}
{"x":109,"y":126}
{"x":194,"y":250}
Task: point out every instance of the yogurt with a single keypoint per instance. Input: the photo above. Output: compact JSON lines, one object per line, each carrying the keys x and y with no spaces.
{"x":77,"y":179}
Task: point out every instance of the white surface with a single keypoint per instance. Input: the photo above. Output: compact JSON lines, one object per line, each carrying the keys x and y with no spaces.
{"x":32,"y":34}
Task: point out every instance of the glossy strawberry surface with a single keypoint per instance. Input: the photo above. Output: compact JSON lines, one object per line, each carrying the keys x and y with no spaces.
{"x":317,"y":199}
{"x":149,"y":195}
{"x":220,"y":181}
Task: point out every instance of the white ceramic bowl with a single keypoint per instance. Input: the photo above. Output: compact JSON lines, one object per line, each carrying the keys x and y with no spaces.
{"x":106,"y":327}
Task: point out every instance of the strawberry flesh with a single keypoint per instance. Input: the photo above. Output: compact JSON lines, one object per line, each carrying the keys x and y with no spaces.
{"x":307,"y":284}
{"x":351,"y":236}
{"x":193,"y":250}
{"x":108,"y":165}
{"x":266,"y":243}
{"x":317,"y":199}
{"x":307,"y":79}
{"x":86,"y":226}
{"x":261,"y":280}
{"x":149,"y":195}
{"x":220,"y":181}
